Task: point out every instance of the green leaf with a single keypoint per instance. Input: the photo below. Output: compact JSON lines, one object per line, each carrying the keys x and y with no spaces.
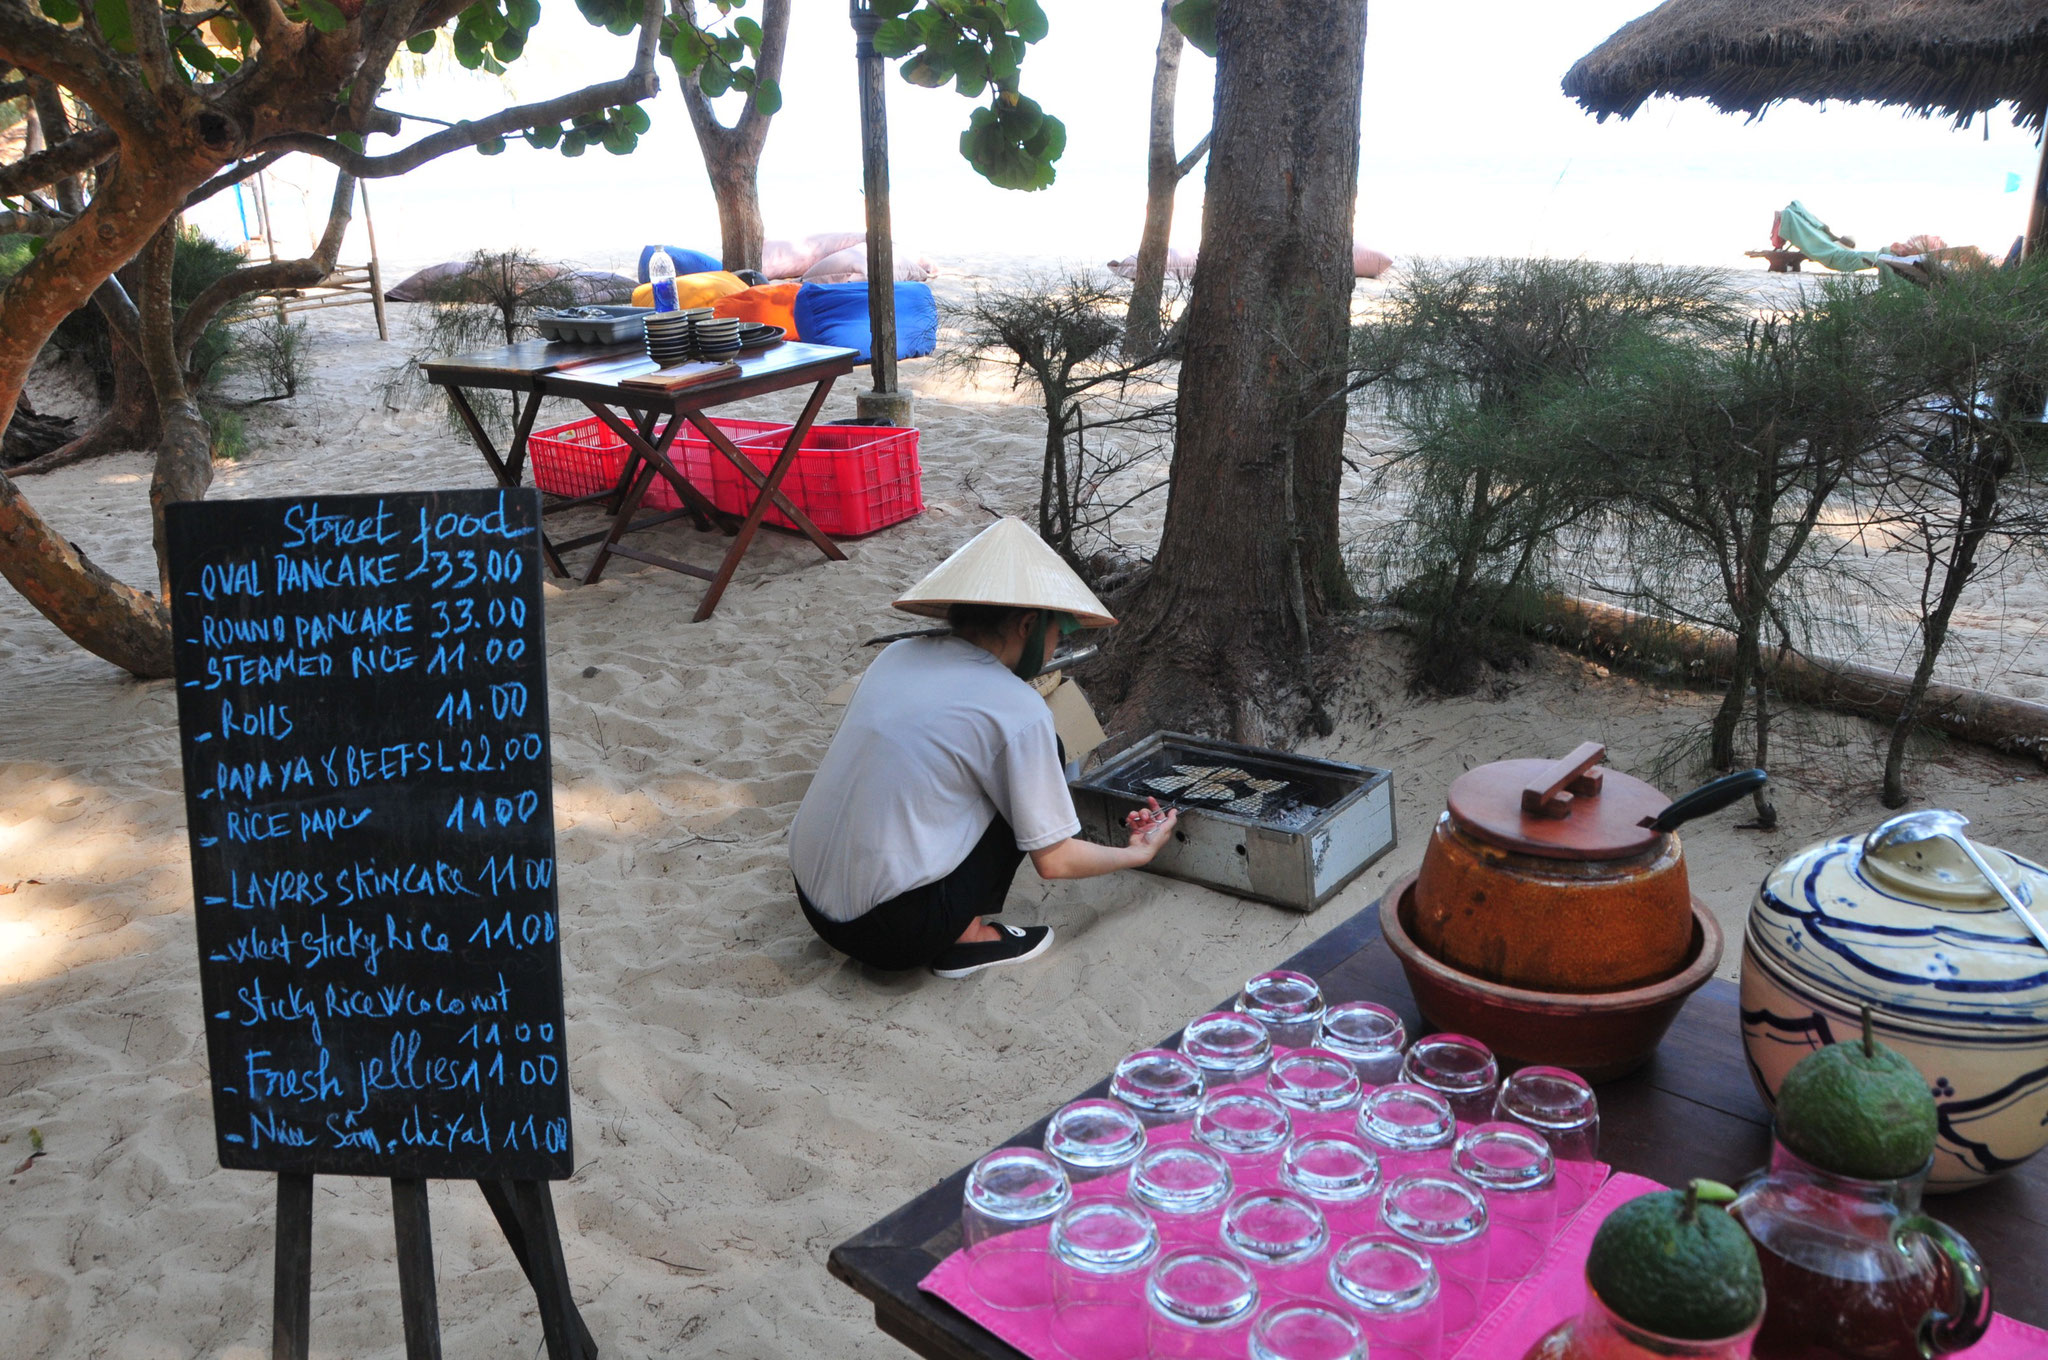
{"x":523,"y":13}
{"x":422,"y":43}
{"x":323,"y":15}
{"x":748,"y":32}
{"x":1028,"y":20}
{"x":927,"y":70}
{"x":714,"y":78}
{"x":113,"y":17}
{"x":894,"y":9}
{"x":491,"y":146}
{"x":767,"y":97}
{"x":1196,"y":19}
{"x":1003,"y":58}
{"x":732,"y":50}
{"x":573,"y":143}
{"x":897,"y":38}
{"x":542,"y":137}
{"x":635,"y":119}
{"x":620,"y":142}
{"x":197,"y":55}
{"x":63,"y":11}
{"x":352,"y":140}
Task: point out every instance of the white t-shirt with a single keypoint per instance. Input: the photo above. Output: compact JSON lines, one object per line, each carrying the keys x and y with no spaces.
{"x":939,"y":739}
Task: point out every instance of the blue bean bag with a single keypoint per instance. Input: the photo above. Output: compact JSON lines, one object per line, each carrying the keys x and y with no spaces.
{"x":837,"y":314}
{"x":687,"y":261}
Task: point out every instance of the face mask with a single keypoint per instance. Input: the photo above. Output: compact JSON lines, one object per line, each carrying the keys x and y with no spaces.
{"x":1029,"y":666}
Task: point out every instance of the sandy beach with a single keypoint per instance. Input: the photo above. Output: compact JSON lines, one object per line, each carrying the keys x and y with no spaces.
{"x":744,"y":1098}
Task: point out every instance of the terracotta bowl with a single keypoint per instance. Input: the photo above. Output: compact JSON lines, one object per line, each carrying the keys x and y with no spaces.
{"x":1599,"y":1035}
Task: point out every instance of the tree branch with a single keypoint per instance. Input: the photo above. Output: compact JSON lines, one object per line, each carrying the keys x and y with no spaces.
{"x":152,"y":44}
{"x":32,"y":223}
{"x":264,"y":17}
{"x":66,"y":57}
{"x":637,"y":85}
{"x":274,"y":275}
{"x":78,"y":153}
{"x":1193,"y":158}
{"x":231,"y":176}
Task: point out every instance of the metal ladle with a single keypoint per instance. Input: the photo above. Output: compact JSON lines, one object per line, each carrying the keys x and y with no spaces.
{"x":1941,"y":824}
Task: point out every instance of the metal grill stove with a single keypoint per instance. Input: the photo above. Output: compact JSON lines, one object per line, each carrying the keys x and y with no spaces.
{"x":1281,"y":828}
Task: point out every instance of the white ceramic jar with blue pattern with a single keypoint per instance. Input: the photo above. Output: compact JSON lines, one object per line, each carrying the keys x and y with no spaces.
{"x":1954,"y":979}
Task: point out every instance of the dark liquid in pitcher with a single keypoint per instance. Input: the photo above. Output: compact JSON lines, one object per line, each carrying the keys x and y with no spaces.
{"x":1813,"y":1316}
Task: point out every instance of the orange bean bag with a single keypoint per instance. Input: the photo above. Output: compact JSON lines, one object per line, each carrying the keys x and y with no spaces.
{"x":694,"y":290}
{"x":771,"y":304}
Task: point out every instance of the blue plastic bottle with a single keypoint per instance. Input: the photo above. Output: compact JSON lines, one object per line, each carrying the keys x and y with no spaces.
{"x":661,"y":273}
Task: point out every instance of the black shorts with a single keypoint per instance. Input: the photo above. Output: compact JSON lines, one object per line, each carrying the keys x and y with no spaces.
{"x":910,"y":930}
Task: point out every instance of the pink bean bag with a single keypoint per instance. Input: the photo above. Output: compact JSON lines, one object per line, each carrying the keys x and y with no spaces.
{"x":851,"y":265}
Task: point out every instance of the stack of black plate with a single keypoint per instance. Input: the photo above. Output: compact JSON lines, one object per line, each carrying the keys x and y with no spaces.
{"x":668,"y":337}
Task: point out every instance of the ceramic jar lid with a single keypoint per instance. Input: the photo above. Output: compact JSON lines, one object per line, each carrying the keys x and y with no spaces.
{"x":1912,"y":929}
{"x":1599,"y":815}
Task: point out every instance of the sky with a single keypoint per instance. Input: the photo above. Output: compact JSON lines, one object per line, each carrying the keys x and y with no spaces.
{"x":1468,"y":148}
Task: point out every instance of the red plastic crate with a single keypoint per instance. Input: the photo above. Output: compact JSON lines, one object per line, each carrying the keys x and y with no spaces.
{"x":584,"y":458}
{"x":850,"y":479}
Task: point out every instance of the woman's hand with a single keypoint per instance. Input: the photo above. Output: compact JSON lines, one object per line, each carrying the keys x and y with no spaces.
{"x":1076,"y":858}
{"x":1150,"y":827}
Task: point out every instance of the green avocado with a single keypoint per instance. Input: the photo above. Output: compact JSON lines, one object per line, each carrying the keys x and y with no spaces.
{"x":1677,"y":1267}
{"x":1858,"y":1109}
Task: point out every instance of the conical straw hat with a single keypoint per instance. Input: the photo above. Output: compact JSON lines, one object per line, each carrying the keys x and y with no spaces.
{"x":1006,"y":564}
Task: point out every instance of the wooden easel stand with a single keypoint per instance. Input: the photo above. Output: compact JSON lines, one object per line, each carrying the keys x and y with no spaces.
{"x":526,"y":1214}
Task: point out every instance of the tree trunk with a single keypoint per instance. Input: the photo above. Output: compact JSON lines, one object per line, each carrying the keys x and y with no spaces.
{"x":1962,"y":565}
{"x":107,"y":617}
{"x":1216,"y":637}
{"x":740,"y":232}
{"x":1163,"y":174}
{"x":732,"y":155}
{"x":1721,"y":735}
{"x":184,"y":447}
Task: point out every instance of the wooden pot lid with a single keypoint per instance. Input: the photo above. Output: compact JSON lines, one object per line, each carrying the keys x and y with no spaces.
{"x":1558,"y":809}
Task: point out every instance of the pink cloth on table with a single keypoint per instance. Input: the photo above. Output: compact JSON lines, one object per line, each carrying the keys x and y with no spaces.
{"x":1515,"y":1315}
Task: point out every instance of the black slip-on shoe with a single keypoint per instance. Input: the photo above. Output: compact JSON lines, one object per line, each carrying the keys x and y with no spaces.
{"x":1016,"y":945}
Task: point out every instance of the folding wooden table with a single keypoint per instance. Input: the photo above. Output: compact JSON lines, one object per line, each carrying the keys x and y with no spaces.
{"x":648,"y":420}
{"x":1691,"y":1111}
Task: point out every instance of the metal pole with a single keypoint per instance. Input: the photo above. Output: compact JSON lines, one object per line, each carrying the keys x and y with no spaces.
{"x":874,"y":155}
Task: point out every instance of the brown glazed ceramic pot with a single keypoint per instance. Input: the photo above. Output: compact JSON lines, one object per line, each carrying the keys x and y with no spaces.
{"x":1599,"y":1035}
{"x":1545,"y":875}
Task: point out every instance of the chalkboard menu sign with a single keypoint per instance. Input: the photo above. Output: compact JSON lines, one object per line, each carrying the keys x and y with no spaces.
{"x":362,"y":702}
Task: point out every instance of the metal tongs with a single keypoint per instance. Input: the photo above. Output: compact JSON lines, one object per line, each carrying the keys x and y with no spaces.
{"x":1941,"y":824}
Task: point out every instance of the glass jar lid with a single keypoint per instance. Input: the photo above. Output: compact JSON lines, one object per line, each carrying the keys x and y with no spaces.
{"x":1872,"y":927}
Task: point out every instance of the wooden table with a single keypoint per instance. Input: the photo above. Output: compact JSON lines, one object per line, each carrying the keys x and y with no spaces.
{"x":648,"y":420}
{"x":1691,"y":1112}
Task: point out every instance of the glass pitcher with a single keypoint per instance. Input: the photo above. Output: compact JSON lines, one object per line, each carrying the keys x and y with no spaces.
{"x":1599,"y":1334}
{"x":1852,"y":1268}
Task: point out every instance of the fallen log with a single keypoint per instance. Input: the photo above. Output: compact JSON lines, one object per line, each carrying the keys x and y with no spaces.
{"x":31,"y":434}
{"x":1634,"y":640}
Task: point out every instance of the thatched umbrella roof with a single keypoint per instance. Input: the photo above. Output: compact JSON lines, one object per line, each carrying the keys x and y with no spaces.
{"x":1956,"y":58}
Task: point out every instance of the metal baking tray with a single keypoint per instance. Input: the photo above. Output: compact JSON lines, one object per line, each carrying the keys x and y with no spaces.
{"x":595,"y":325}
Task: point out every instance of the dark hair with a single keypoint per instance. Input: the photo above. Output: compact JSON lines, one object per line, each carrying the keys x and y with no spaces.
{"x":982,"y":620}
